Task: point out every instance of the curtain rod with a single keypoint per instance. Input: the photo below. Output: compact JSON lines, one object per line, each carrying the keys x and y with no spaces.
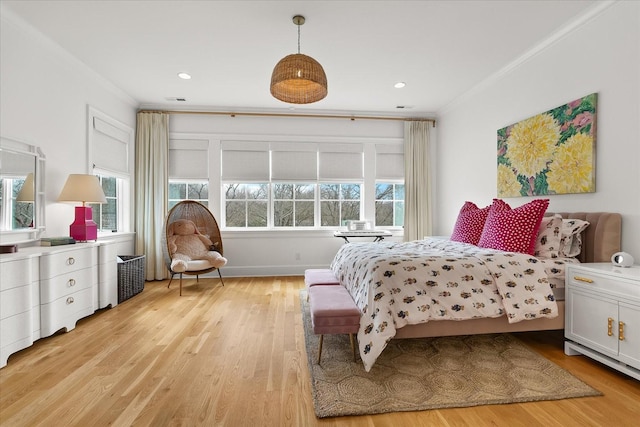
{"x":314,"y":116}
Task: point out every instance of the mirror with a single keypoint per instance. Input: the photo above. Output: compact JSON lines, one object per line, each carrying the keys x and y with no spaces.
{"x":21,"y":194}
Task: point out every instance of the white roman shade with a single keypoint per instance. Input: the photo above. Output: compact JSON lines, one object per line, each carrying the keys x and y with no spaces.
{"x":341,"y":161}
{"x":389,"y":162}
{"x":109,"y":146}
{"x":294,"y":161}
{"x":188,"y":159}
{"x":245,"y":161}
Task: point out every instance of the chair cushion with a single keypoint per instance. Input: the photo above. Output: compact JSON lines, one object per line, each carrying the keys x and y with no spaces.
{"x":198,"y":264}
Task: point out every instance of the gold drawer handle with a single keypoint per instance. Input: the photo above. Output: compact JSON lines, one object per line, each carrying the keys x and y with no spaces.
{"x":609,"y":326}
{"x":69,"y":300}
{"x":71,"y":261}
{"x":582,"y":279}
{"x":621,"y":331}
{"x":72,"y":282}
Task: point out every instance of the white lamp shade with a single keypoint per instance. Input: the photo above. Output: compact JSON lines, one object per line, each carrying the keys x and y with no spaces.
{"x":27,"y":192}
{"x":82,"y":188}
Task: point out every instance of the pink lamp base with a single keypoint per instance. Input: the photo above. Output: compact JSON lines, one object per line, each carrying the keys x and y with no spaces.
{"x":83,"y":227}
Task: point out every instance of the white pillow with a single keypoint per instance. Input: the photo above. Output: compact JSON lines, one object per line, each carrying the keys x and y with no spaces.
{"x":549,"y":235}
{"x":571,"y":240}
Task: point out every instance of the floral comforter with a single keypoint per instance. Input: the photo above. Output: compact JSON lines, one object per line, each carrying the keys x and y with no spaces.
{"x":396,"y":284}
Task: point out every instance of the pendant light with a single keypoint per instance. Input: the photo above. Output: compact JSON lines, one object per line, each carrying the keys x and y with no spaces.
{"x":298,"y":78}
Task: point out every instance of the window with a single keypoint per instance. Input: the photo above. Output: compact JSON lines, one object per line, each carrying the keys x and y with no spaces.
{"x":293,"y":205}
{"x":288,"y":185}
{"x":109,"y":216}
{"x":106,"y":214}
{"x":180,"y":190}
{"x":339,"y":203}
{"x":389,"y":205}
{"x":110,"y":146}
{"x":246,"y":205}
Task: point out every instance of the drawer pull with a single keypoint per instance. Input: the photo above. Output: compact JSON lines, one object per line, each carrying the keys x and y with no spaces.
{"x":71,"y":261}
{"x":582,"y":279}
{"x":621,"y":331}
{"x":609,"y":326}
{"x":69,"y":300}
{"x":72,"y":282}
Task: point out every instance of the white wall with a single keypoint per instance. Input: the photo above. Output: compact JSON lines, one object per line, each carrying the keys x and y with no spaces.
{"x":44,"y":94}
{"x":602,"y":56}
{"x":281,"y":252}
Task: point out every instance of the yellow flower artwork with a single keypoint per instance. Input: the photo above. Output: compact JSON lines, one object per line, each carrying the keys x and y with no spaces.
{"x":550,"y":153}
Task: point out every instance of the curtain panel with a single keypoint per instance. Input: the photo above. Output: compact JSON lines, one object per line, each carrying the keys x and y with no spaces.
{"x":417,"y":180}
{"x":151,"y":178}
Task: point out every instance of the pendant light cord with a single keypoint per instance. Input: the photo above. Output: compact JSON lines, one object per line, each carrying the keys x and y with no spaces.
{"x":298,"y":39}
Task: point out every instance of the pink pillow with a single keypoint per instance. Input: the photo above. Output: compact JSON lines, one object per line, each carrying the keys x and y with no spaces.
{"x":513,"y":230}
{"x":470,"y":223}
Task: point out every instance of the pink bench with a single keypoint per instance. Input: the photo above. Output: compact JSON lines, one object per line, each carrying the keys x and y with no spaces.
{"x":319,"y":276}
{"x":333,"y":311}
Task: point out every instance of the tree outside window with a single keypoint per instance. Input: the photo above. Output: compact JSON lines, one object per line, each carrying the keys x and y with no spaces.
{"x":389,"y":205}
{"x":188,"y":190}
{"x":293,"y":205}
{"x":339,"y":203}
{"x":246,"y":205}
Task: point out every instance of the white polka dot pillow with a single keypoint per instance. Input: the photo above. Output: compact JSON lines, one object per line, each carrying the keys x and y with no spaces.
{"x":513,"y":230}
{"x":548,"y":240}
{"x":470,"y":223}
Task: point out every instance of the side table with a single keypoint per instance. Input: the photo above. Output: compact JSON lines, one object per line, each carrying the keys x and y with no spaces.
{"x":602,"y":315}
{"x":378,"y":235}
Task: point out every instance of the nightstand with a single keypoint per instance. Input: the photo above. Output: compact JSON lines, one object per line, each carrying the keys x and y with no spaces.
{"x":602,"y":315}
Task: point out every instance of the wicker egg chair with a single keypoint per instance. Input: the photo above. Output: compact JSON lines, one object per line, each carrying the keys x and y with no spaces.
{"x":206,"y":224}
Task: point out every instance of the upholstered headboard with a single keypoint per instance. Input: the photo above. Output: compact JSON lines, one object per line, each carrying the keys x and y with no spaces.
{"x":602,"y":238}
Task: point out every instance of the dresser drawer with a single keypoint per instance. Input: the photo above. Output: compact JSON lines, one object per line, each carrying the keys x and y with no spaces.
{"x":65,"y":312}
{"x":596,"y":282}
{"x":54,"y":264}
{"x":17,"y":273}
{"x":17,"y":328}
{"x":15,"y":301}
{"x":14,"y":335}
{"x":66,"y":284}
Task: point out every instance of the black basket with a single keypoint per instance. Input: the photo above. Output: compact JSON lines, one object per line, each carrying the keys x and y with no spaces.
{"x":130,"y":276}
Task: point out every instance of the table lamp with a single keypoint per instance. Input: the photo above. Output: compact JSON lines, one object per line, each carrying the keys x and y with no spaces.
{"x":83,"y":188}
{"x":26,"y":193}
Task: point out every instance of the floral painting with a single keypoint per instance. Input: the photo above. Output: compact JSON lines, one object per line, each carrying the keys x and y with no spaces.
{"x":551,"y":153}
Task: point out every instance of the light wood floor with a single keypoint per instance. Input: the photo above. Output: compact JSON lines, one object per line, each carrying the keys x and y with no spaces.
{"x":235,"y":356}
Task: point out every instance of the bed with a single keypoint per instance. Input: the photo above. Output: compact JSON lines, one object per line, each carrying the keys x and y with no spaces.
{"x":380,"y":277}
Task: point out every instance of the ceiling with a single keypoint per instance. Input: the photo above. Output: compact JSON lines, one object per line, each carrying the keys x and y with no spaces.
{"x":441,"y":49}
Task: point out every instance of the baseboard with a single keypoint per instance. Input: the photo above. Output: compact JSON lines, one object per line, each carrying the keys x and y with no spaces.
{"x":263,"y":271}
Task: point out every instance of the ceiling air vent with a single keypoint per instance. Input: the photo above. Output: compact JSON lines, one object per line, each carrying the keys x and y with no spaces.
{"x":175,"y":99}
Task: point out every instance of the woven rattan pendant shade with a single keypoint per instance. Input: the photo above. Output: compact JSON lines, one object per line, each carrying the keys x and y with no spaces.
{"x":298,"y":78}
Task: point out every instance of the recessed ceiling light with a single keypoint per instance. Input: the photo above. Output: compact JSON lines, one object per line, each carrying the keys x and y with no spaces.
{"x":184,"y":76}
{"x":399,"y":85}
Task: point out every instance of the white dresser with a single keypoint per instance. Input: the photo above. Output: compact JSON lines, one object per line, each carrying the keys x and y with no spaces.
{"x":603,"y":314}
{"x":19,"y":295}
{"x":46,"y":289}
{"x":68,"y":286}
